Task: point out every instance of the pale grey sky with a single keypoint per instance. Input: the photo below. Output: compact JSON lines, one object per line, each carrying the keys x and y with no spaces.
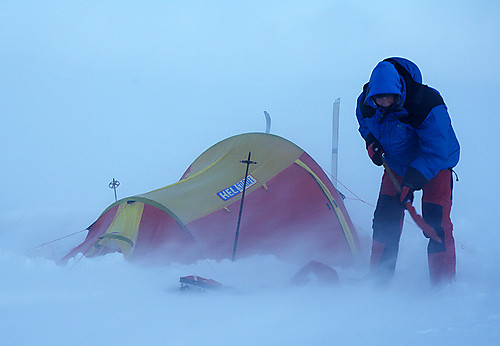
{"x":135,"y":91}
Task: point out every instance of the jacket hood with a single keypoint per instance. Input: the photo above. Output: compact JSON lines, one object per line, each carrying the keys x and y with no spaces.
{"x":411,"y":67}
{"x":385,"y":79}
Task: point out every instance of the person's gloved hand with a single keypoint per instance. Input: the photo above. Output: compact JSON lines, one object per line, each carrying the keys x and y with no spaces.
{"x":375,"y":152}
{"x":406,"y":194}
{"x":374,"y":149}
{"x":412,"y":180}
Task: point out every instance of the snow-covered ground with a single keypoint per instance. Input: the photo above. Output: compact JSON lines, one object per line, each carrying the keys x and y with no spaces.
{"x":95,"y":91}
{"x":110,"y":301}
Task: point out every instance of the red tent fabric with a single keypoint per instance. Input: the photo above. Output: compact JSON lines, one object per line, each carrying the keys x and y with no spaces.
{"x":291,"y":210}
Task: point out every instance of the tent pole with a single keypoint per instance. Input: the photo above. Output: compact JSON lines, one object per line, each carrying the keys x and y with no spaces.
{"x":237,"y":234}
{"x":335,"y":140}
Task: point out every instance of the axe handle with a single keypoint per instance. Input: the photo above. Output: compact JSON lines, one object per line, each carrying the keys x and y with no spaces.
{"x":419,"y":220}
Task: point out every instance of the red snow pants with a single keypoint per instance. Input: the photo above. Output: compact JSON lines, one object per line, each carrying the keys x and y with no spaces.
{"x":388,"y":225}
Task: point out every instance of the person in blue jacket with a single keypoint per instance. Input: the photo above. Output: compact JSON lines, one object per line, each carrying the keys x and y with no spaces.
{"x":407,"y":123}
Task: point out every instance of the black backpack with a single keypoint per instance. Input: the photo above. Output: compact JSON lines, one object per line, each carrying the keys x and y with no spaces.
{"x":420,"y":99}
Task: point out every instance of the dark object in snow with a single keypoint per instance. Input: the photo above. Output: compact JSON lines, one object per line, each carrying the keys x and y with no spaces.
{"x":324,"y":274}
{"x":198,"y":283}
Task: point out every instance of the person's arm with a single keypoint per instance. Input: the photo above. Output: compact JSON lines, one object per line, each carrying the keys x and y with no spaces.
{"x":433,"y":148}
{"x":363,"y":129}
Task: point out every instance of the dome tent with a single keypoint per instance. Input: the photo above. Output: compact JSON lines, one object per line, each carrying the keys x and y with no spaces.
{"x":291,"y":210}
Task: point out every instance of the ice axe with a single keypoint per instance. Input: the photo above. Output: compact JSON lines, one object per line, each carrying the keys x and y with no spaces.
{"x":419,"y":220}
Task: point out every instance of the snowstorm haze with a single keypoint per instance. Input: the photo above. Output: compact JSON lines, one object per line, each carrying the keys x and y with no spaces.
{"x":91,"y":91}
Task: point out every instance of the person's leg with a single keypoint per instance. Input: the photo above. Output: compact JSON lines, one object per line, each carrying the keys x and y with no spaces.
{"x":387,"y":226}
{"x":436,"y":208}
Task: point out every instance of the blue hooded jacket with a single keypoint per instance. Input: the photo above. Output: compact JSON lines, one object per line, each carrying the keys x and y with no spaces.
{"x":416,"y":133}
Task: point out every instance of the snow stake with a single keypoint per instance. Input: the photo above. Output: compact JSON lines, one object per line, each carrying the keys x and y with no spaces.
{"x":113,"y":185}
{"x":268,"y":122}
{"x":248,"y":162}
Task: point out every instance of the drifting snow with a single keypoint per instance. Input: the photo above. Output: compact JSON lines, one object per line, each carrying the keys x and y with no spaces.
{"x":108,"y":300}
